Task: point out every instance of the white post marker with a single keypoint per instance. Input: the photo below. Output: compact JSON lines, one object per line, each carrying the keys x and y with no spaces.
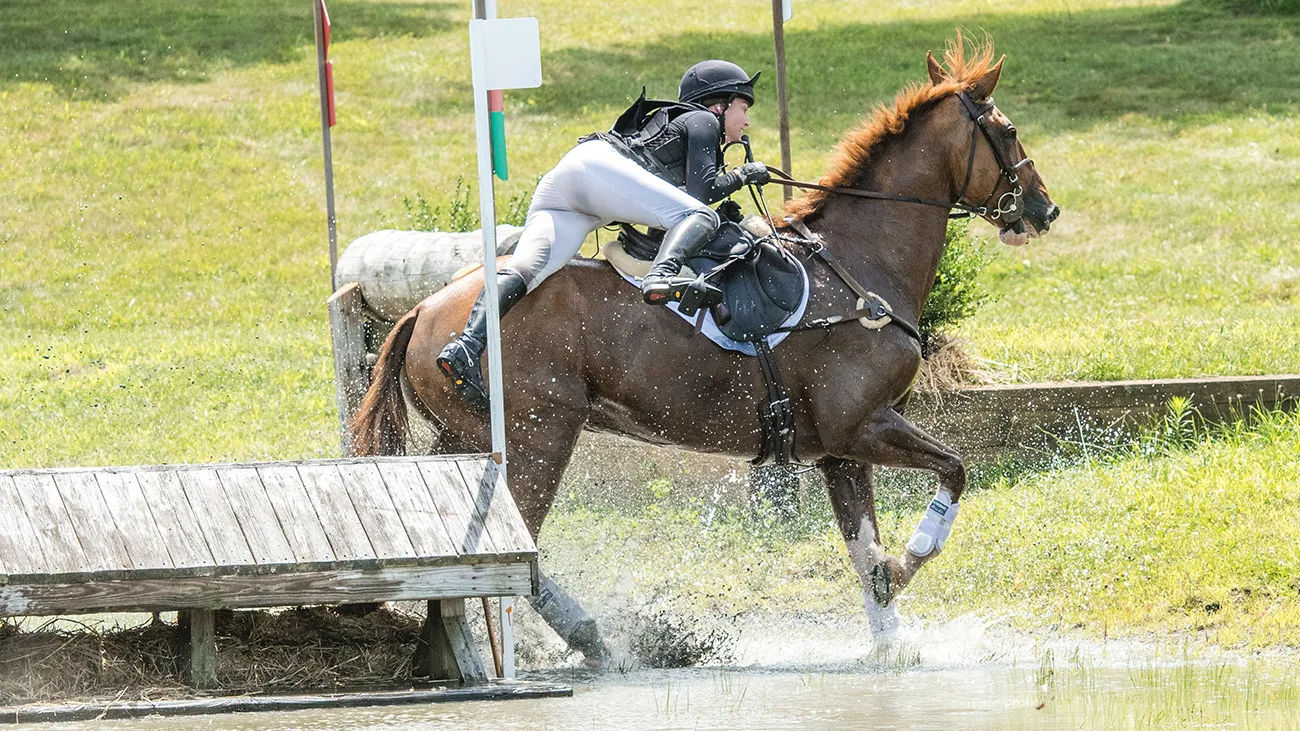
{"x":504,"y":54}
{"x":506,"y":622}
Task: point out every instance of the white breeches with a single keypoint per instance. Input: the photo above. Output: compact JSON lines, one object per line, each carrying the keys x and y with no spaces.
{"x":592,"y":186}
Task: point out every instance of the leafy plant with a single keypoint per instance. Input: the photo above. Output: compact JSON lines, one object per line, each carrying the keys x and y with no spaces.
{"x":459,"y":213}
{"x":957,"y":292}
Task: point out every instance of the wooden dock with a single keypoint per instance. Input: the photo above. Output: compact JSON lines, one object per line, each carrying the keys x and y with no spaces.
{"x":197,"y":538}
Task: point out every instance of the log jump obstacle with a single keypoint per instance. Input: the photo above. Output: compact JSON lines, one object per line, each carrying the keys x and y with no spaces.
{"x":198,"y":538}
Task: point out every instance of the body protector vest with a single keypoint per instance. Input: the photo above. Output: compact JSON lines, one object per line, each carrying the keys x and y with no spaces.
{"x":678,"y":142}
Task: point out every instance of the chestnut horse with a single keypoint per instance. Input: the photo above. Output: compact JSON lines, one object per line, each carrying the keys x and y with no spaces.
{"x":583,"y":351}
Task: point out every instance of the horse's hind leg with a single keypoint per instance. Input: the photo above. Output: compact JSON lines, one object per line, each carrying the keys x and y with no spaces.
{"x":852,"y":495}
{"x":893,"y":441}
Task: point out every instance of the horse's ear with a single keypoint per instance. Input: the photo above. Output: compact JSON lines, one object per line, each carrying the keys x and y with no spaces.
{"x":937,"y":76}
{"x":984,"y":85}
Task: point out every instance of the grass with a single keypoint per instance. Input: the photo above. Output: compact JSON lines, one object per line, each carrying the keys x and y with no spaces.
{"x":162,"y":293}
{"x":164,"y":266}
{"x":1173,"y":538}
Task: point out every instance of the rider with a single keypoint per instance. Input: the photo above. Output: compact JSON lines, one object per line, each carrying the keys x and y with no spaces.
{"x":660,"y":166}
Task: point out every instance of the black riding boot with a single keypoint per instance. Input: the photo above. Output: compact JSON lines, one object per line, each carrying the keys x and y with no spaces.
{"x":680,"y":243}
{"x":460,"y":359}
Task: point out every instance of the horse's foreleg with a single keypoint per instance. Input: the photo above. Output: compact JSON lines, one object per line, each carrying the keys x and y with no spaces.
{"x":539,"y":453}
{"x":893,"y":441}
{"x":852,"y":495}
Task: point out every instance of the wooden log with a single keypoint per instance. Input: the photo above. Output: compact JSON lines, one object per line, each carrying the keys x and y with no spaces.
{"x":345,"y":586}
{"x":398,"y":269}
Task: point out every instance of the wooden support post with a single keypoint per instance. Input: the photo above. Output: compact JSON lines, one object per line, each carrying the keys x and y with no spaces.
{"x":201,"y":624}
{"x":782,"y":105}
{"x":451,"y":653}
{"x":351,"y":375}
{"x":492,"y":637}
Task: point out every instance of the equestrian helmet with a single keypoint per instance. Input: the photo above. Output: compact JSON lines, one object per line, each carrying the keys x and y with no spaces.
{"x":709,"y":79}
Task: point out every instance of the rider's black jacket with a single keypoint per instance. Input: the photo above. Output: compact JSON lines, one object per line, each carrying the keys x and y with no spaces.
{"x":688,"y":149}
{"x":678,"y":142}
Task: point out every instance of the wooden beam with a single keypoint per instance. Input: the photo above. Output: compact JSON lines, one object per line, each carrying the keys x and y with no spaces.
{"x":351,"y":376}
{"x":115,"y":709}
{"x":202,"y":649}
{"x":782,"y":105}
{"x":450,"y":650}
{"x":272,"y":590}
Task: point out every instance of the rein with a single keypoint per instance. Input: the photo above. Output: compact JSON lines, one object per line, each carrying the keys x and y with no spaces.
{"x":872,"y":308}
{"x":1010,"y":213}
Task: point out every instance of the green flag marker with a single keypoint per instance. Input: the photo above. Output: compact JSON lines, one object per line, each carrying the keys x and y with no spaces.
{"x":497,"y":127}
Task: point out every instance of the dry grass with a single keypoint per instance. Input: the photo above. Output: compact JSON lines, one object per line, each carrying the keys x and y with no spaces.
{"x":303,"y":649}
{"x":947,"y":366}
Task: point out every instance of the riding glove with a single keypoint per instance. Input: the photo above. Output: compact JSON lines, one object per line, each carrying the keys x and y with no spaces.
{"x":755,"y":173}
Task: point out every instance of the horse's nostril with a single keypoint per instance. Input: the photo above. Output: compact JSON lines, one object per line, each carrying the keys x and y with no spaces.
{"x":1053,"y":213}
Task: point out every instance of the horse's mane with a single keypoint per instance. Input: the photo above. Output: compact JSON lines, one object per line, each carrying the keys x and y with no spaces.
{"x":855,"y":149}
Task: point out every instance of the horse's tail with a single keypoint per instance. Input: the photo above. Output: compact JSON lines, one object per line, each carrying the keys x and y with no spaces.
{"x":380,"y":424}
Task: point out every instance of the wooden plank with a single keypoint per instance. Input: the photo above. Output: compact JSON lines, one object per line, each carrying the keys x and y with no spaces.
{"x":215,"y":517}
{"x":375,"y":508}
{"x":103,"y":545}
{"x":338,"y":517}
{"x":119,"y":709}
{"x":256,"y":516}
{"x":416,"y":509}
{"x":235,"y":465}
{"x":344,"y":586}
{"x":179,"y":529}
{"x":452,"y":653}
{"x":447,"y":487}
{"x":203,"y":649}
{"x":130,"y":512}
{"x":351,"y":376}
{"x":504,"y":522}
{"x":293,"y":506}
{"x":54,"y":531}
{"x":480,"y":494}
{"x":19,"y":546}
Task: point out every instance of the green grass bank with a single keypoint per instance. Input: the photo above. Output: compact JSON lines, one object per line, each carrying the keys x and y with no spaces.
{"x":1172,"y":543}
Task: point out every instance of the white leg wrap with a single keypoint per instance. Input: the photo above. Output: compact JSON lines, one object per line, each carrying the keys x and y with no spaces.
{"x":884,"y":620}
{"x":935,"y":525}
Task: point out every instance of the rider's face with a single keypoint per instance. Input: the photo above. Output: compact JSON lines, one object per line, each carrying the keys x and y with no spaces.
{"x":735,"y":119}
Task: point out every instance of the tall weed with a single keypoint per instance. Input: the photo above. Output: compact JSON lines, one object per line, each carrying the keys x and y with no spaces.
{"x":458,"y":213}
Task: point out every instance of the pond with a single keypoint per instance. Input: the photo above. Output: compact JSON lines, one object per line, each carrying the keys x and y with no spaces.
{"x":963,"y":674}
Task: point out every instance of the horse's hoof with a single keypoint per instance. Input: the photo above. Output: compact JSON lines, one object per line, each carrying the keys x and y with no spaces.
{"x":882,"y":589}
{"x":586,"y":639}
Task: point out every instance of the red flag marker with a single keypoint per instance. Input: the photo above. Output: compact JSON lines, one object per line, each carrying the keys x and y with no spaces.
{"x":329,"y":65}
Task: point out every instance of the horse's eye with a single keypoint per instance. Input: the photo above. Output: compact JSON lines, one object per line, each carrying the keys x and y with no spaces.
{"x":1011,"y":130}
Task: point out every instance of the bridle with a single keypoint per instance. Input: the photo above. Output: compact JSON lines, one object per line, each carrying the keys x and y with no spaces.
{"x":871,"y":307}
{"x":1010,"y":210}
{"x":1009,"y":207}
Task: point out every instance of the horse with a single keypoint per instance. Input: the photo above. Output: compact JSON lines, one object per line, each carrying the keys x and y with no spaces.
{"x":583,"y":351}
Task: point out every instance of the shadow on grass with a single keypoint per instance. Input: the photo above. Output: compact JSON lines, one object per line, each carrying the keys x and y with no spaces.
{"x":1064,"y":71}
{"x":90,"y":50}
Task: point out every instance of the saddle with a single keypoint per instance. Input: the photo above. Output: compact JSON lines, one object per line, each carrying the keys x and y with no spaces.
{"x":749,"y":283}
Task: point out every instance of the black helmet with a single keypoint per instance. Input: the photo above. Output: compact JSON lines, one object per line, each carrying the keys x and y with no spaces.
{"x":708,"y":79}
